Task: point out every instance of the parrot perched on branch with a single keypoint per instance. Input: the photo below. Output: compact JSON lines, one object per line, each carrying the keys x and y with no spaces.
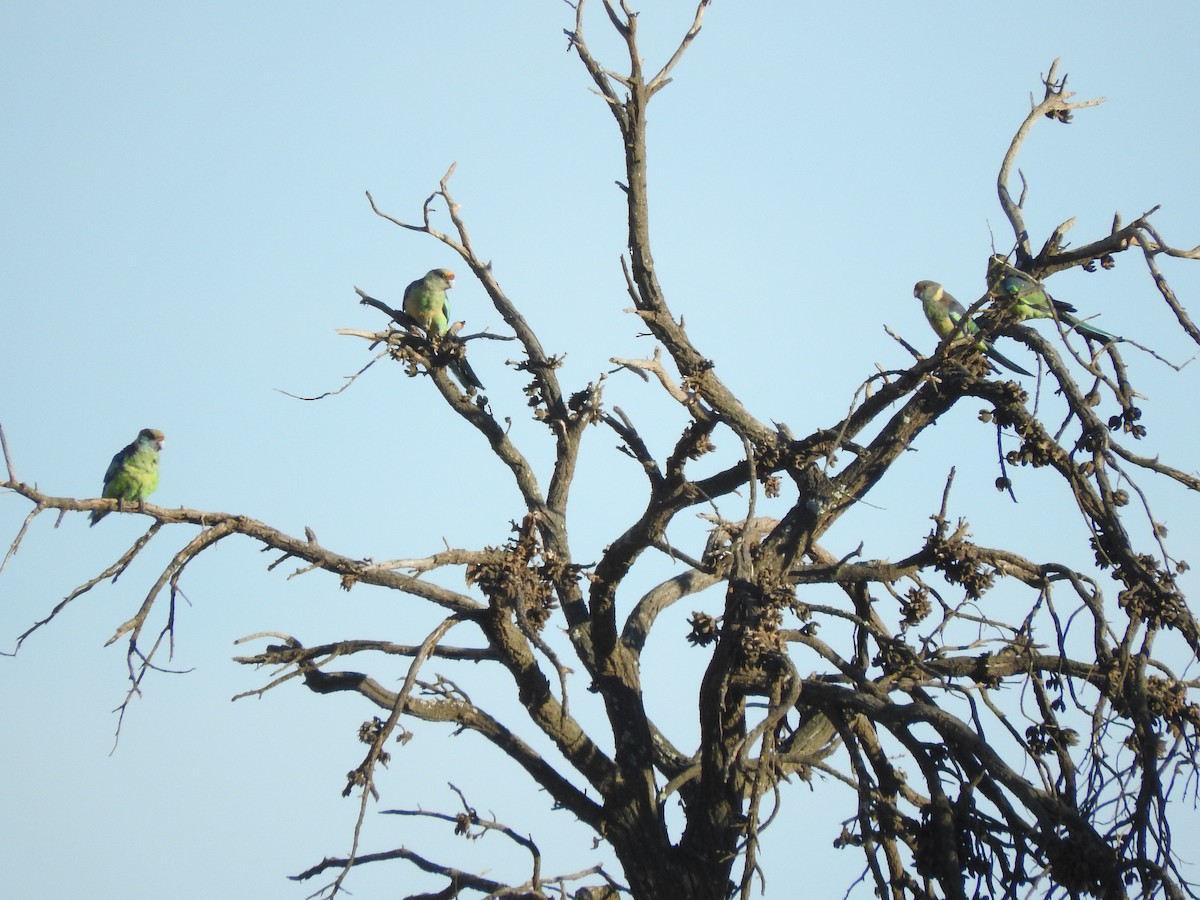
{"x":133,"y":472}
{"x":944,"y":313}
{"x":1031,"y":301}
{"x":425,"y":301}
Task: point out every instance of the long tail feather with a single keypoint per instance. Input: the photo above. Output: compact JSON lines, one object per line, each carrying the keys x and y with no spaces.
{"x":466,"y":375}
{"x":1090,"y":331}
{"x":1006,"y":362}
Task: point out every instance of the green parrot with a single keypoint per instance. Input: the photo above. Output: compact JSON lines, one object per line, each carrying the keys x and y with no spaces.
{"x":944,"y":313}
{"x":133,"y":472}
{"x":1031,"y":301}
{"x":425,"y":301}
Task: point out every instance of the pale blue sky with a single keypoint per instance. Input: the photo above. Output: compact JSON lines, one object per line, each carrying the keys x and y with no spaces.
{"x":183,"y":224}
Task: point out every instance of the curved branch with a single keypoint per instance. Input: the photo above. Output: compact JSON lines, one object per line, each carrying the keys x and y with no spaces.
{"x":352,"y":571}
{"x":1056,"y":105}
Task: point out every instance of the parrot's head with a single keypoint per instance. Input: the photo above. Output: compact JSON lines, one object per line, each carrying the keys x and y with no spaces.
{"x":440,"y":279}
{"x":923,"y":290}
{"x":151,"y":436}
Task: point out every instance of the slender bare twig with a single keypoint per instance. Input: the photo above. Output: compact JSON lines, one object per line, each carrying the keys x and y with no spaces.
{"x":363,"y":776}
{"x":12,"y":475}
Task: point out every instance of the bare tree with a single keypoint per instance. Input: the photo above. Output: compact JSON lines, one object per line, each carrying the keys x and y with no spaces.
{"x":946,"y":794}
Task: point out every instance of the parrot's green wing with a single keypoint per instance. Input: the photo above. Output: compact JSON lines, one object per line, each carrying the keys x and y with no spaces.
{"x":133,"y":473}
{"x":426,"y":303}
{"x":1029,"y":299}
{"x":944,"y":313}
